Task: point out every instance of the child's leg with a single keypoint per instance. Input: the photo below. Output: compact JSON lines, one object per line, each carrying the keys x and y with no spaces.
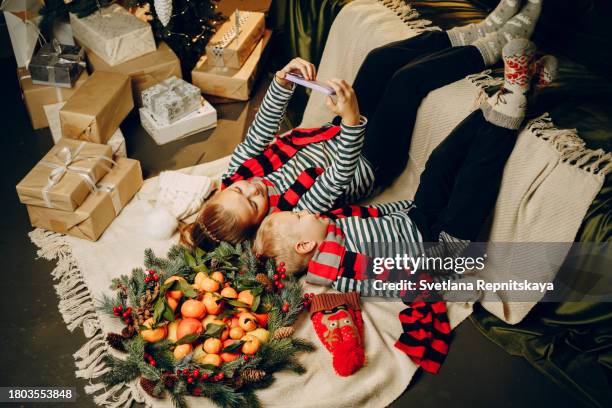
{"x":382,"y":62}
{"x":389,"y":130}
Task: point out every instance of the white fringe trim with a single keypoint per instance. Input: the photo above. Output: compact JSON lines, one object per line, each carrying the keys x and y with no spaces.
{"x":483,"y":80}
{"x":571,"y":147}
{"x":78,"y":310}
{"x":408,"y":15}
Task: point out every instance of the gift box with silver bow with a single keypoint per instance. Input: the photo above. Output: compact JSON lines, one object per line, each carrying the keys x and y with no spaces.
{"x":66,"y":175}
{"x":99,"y":209}
{"x":171,"y":100}
{"x":57,"y":64}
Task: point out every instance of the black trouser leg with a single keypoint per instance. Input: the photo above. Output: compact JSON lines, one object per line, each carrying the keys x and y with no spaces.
{"x":389,"y":130}
{"x":382,"y":62}
{"x":461,"y":180}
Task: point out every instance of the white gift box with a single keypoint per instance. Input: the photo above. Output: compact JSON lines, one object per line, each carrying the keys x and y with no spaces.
{"x":116,"y":142}
{"x":203,"y":119}
{"x":114,"y":34}
{"x":22,"y":21}
{"x":171,"y":100}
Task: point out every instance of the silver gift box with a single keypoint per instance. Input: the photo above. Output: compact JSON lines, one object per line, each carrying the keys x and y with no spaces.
{"x":171,"y":100}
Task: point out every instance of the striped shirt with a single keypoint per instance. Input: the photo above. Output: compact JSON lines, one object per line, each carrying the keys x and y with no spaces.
{"x":392,"y":232}
{"x":347,"y":178}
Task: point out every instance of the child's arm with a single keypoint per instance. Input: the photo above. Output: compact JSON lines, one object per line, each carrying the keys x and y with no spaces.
{"x":395,"y":206}
{"x":271,"y":112}
{"x":332,"y":184}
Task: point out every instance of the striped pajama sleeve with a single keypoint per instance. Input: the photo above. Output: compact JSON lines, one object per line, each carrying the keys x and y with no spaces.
{"x":395,"y":206}
{"x":333,"y":183}
{"x":264,"y":128}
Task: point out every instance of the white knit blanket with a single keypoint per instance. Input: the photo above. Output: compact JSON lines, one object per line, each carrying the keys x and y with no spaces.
{"x":537,"y":170}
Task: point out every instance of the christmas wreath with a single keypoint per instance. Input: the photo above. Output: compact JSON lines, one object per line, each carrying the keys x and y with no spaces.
{"x":214,"y":324}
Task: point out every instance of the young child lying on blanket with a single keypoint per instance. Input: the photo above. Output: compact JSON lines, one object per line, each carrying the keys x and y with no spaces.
{"x":267,"y":172}
{"x":457,"y":192}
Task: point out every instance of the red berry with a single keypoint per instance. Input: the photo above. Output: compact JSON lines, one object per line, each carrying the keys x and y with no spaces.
{"x":115,"y":308}
{"x":147,"y":279}
{"x":185,"y":371}
{"x":120,"y":307}
{"x":281,"y":269}
{"x":312,"y":295}
{"x":281,"y":285}
{"x":245,"y":357}
{"x":197,"y":392}
{"x":220,"y":375}
{"x":156,"y":278}
{"x":283,"y":276}
{"x":275,"y":276}
{"x":196,"y":372}
{"x":178,"y":371}
{"x":190,"y":380}
{"x":152,"y":362}
{"x":151,"y":271}
{"x":204,"y":376}
{"x":281,"y":264}
{"x":286,"y":307}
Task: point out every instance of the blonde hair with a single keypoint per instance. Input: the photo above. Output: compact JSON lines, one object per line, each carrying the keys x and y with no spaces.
{"x":213,"y":225}
{"x":273,"y":243}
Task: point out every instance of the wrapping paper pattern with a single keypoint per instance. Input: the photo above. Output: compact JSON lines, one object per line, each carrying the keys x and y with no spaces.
{"x":171,"y":100}
{"x":235,"y":40}
{"x":203,"y":119}
{"x":114,"y":34}
{"x":66,"y":175}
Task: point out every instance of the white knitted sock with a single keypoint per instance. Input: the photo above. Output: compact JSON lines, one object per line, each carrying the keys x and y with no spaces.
{"x":506,"y":108}
{"x":519,"y":26}
{"x":466,"y":35}
{"x":545,"y":72}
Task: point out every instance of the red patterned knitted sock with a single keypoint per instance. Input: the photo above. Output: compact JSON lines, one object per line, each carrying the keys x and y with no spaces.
{"x":337,"y":319}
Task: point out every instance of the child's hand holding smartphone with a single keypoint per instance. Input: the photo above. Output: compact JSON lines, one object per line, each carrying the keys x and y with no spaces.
{"x":296,"y":65}
{"x":344,"y":104}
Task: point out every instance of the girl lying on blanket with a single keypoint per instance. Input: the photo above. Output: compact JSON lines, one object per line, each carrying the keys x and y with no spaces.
{"x":457,"y":192}
{"x":268,"y":173}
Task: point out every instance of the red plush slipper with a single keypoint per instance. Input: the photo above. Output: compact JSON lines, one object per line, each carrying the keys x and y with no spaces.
{"x":337,"y":320}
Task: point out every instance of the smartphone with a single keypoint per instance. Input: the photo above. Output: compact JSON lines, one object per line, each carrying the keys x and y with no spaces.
{"x":314,"y":85}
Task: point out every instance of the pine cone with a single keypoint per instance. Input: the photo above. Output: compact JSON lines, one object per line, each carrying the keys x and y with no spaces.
{"x":128,"y":332}
{"x":149,"y":387}
{"x":115,"y":341}
{"x":264,"y":280}
{"x":169,"y":380}
{"x":252,"y":375}
{"x":283,"y":332}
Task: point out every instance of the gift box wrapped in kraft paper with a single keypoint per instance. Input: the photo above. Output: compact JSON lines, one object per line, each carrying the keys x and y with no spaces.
{"x":57,"y":64}
{"x":230,"y":83}
{"x":100,"y":208}
{"x":97,"y":109}
{"x":145,"y":71}
{"x":114,"y":34}
{"x":202,"y":119}
{"x":66,"y":175}
{"x":235,"y":39}
{"x":116,"y":142}
{"x":37,"y":96}
{"x":171,"y":100}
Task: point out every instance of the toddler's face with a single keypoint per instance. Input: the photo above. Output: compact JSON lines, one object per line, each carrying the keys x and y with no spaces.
{"x":247,"y":199}
{"x":304,"y":225}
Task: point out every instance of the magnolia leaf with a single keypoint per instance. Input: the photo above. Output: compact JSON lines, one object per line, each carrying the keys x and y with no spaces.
{"x":199,"y":252}
{"x":235,"y":302}
{"x":188,"y":338}
{"x":187,"y":289}
{"x":257,"y":291}
{"x":200,"y":268}
{"x":158,"y":310}
{"x":214,"y":330}
{"x":256,"y":302}
{"x":168,"y":313}
{"x":189,"y":258}
{"x":234,"y":347}
{"x":209,"y":367}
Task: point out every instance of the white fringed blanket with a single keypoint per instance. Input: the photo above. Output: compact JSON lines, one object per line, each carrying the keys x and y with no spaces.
{"x":540,"y":167}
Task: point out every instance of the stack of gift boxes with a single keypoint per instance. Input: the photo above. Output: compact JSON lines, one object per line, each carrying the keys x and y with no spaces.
{"x":84,"y":181}
{"x":233,"y":56}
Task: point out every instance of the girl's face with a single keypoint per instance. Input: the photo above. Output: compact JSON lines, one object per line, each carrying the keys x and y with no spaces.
{"x":247,"y":200}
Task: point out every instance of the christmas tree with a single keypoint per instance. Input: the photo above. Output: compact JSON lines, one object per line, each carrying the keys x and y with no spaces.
{"x":185,"y":25}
